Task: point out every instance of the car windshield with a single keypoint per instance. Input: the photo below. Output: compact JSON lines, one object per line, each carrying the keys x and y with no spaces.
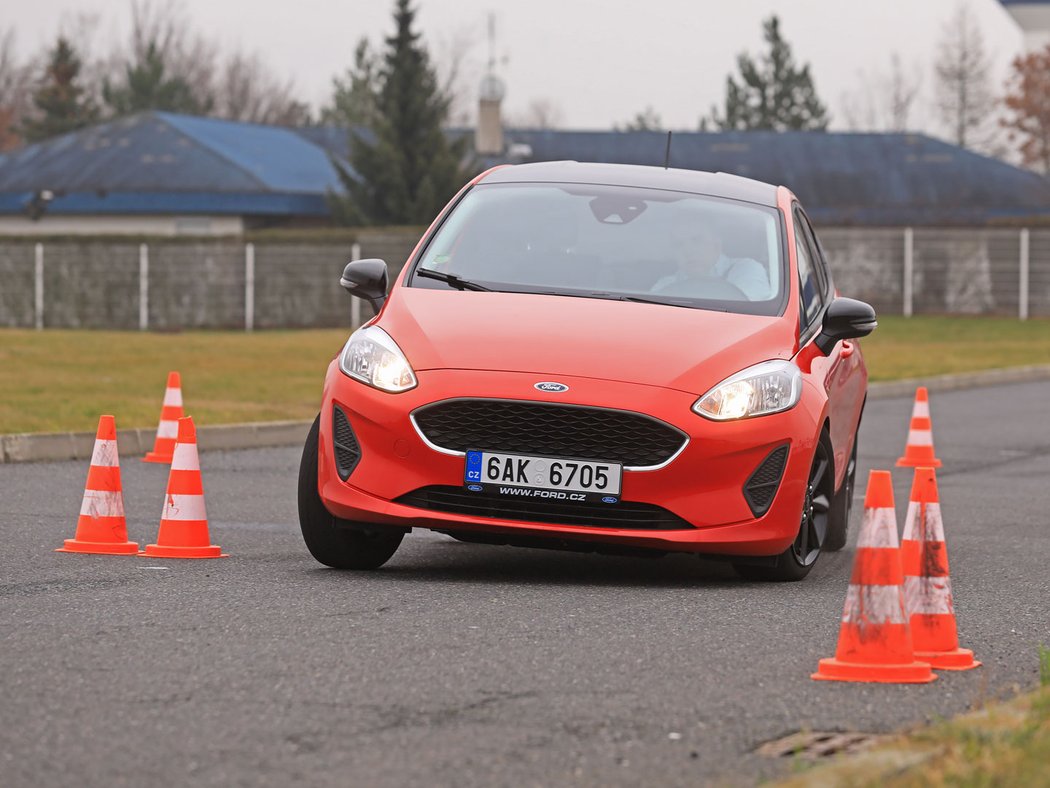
{"x":614,"y":242}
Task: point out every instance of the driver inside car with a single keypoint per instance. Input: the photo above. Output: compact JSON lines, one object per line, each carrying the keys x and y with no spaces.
{"x":699,"y":257}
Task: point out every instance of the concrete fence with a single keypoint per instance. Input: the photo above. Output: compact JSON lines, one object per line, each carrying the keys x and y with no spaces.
{"x":166,"y":285}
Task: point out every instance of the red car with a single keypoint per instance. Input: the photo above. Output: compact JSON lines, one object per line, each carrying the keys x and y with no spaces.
{"x":597,"y":357}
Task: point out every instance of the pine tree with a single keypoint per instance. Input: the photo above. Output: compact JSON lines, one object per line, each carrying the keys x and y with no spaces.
{"x":61,"y":102}
{"x":773,"y":93}
{"x":354,"y":95}
{"x":408,"y":169}
{"x":148,"y":85}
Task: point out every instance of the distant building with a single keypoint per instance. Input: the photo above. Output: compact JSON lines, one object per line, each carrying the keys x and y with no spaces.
{"x":162,"y":174}
{"x":1033,"y":17}
{"x":158,"y":173}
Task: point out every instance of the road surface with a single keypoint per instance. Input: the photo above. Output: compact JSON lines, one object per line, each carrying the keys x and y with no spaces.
{"x":473,"y":665}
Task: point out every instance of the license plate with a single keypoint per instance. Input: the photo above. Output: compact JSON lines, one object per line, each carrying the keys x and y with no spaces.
{"x":546,"y":478}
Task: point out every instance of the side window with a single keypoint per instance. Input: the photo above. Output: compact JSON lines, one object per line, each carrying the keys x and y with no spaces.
{"x":819,"y":259}
{"x":809,"y":286}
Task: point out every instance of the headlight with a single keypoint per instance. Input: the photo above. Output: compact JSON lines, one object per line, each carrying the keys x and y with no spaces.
{"x":372,"y":357}
{"x":765,"y":388}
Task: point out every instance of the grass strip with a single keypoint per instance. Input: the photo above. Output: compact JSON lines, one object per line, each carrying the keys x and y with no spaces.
{"x":58,"y":380}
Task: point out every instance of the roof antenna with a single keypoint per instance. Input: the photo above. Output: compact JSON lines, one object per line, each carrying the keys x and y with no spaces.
{"x":667,"y":153}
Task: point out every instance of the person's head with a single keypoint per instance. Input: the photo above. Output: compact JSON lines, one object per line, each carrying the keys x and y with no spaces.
{"x":697,"y":246}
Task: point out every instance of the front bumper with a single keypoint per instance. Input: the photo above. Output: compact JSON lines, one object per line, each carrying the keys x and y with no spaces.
{"x":702,"y":485}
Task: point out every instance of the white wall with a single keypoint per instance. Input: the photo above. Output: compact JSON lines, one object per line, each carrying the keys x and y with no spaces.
{"x":122,"y":225}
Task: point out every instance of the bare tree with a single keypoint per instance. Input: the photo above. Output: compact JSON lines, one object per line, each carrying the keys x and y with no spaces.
{"x":965,"y":99}
{"x":247,"y":91}
{"x":541,"y":113}
{"x":187,"y":55}
{"x":458,"y":75}
{"x":16,"y":81}
{"x":882,"y":101}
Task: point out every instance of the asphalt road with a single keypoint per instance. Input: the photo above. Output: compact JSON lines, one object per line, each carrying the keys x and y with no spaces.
{"x":472,"y":665}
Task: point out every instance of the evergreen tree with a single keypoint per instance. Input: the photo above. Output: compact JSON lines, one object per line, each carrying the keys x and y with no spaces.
{"x":354,"y":95}
{"x":148,"y":85}
{"x":407,"y":170}
{"x":773,"y":93}
{"x":61,"y":102}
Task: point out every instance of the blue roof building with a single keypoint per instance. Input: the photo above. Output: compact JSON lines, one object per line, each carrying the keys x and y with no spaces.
{"x":160,"y":173}
{"x":157,"y":172}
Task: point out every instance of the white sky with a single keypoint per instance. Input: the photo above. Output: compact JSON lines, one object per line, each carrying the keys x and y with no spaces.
{"x":599,"y":61}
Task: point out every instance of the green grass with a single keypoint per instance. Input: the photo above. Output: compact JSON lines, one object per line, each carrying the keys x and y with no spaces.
{"x":62,"y":380}
{"x":1003,"y":744}
{"x":919,"y":347}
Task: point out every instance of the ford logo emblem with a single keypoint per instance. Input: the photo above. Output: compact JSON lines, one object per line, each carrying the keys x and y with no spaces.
{"x":550,"y":386}
{"x":474,"y":487}
{"x":609,"y":499}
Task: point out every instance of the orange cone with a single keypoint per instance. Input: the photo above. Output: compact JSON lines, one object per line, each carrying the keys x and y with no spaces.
{"x":927,"y":587}
{"x":168,"y":428}
{"x":101,"y":527}
{"x":874,"y":641}
{"x":918,"y":451}
{"x":184,"y":522}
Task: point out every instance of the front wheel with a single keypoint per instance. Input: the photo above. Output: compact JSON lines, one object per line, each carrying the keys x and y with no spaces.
{"x":797,"y":561}
{"x":340,"y":544}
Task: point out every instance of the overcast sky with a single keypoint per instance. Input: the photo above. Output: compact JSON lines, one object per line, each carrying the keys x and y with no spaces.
{"x":598,"y":61}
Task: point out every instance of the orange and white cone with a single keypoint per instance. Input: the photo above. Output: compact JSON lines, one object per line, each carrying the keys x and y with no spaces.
{"x":101,"y":527}
{"x":168,"y":427}
{"x":874,"y":640}
{"x":927,"y":586}
{"x":918,"y":451}
{"x":184,"y":521}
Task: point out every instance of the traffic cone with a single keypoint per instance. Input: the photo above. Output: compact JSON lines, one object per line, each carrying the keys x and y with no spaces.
{"x":927,"y":587}
{"x":184,"y":522}
{"x":918,"y":451}
{"x":101,"y":527}
{"x":874,"y":641}
{"x":168,"y":428}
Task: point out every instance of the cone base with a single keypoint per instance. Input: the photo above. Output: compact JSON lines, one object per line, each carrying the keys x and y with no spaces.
{"x":164,"y":459}
{"x":169,"y":551}
{"x":832,"y":669}
{"x":959,"y":659}
{"x":99,"y":548}
{"x":904,"y":462}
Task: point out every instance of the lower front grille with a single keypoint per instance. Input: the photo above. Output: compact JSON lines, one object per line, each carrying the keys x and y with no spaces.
{"x":625,"y":514}
{"x":347,"y":449}
{"x":763,"y":483}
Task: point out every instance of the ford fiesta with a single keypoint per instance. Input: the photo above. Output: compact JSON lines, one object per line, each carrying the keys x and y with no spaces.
{"x":597,"y":357}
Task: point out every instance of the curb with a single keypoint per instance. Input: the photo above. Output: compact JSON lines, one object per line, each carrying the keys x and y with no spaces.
{"x":43,"y":446}
{"x":966,"y":380}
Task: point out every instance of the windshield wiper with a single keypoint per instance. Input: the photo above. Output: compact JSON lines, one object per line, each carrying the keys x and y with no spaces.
{"x":451,"y":279}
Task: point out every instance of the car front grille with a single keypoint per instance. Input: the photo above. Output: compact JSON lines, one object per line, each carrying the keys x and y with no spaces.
{"x":347,"y":449}
{"x":625,"y":514}
{"x":633,"y":439}
{"x":762,"y":485}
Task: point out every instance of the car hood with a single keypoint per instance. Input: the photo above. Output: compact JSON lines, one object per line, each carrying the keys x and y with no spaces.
{"x":674,"y":347}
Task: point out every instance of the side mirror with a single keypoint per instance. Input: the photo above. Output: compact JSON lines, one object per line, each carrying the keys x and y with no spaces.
{"x":366,"y":279}
{"x":845,"y":319}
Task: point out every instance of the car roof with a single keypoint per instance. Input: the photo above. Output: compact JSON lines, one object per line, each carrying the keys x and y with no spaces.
{"x":714,"y":184}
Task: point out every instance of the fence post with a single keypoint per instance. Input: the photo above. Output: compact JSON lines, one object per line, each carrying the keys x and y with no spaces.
{"x":355,"y":303}
{"x":1022,"y":277}
{"x":143,"y":287}
{"x":909,"y":269}
{"x":249,"y":287}
{"x":38,"y":287}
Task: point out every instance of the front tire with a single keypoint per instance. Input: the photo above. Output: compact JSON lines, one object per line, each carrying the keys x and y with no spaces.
{"x":842,"y":505}
{"x":340,"y":544}
{"x":796,"y":562}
